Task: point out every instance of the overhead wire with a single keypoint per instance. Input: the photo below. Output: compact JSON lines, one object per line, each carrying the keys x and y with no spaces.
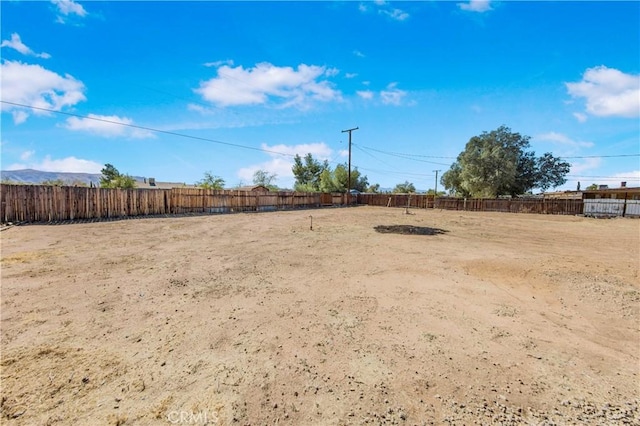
{"x":150,"y":129}
{"x":362,"y":148}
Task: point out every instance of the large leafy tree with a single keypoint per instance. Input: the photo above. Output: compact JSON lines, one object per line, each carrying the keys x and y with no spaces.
{"x":551,"y":172}
{"x":374,"y":189}
{"x":312,"y":176}
{"x":499,"y":163}
{"x":405,"y":188}
{"x":341,"y":177}
{"x":336,"y":180}
{"x":112,"y":178}
{"x":264,"y":178}
{"x":307,"y":172}
{"x":211,"y":181}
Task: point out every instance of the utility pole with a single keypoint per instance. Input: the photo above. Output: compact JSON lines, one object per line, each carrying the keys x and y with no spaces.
{"x":435,"y":190}
{"x":349,"y":173}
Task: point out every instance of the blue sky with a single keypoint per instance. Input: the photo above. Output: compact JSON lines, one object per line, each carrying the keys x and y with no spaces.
{"x":233,"y":87}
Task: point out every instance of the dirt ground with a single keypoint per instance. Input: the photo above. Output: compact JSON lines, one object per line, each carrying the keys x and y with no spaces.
{"x":254,"y":319}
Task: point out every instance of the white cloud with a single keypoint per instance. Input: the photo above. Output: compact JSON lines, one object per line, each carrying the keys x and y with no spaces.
{"x":392,"y":95}
{"x":68,"y":164}
{"x":561,"y":139}
{"x":281,"y":165}
{"x":107,"y":126}
{"x":264,"y":82}
{"x":36,"y":86}
{"x":69,"y":7}
{"x":396,"y":14}
{"x":332,"y":72}
{"x":384,"y":8}
{"x":217,"y":64}
{"x":19,"y":116}
{"x":479,"y":6}
{"x":351,"y":75}
{"x":365,"y":94}
{"x":584,"y":165}
{"x":608,"y":92}
{"x":17,"y":44}
{"x":359,"y":54}
{"x":632,"y":178}
{"x":580,"y":117}
{"x":319,"y":150}
{"x":26,"y":155}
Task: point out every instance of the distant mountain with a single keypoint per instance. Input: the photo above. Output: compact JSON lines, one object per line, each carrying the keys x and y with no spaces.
{"x":37,"y":176}
{"x":30,"y":176}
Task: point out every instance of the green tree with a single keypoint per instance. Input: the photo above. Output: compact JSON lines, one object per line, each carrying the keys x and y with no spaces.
{"x":592,"y":187}
{"x":78,"y":182}
{"x":551,"y":172}
{"x":53,"y":182}
{"x":264,"y":178}
{"x":210,"y":181}
{"x":404,"y":188}
{"x":112,"y":178}
{"x":341,"y":177}
{"x":328,"y":182}
{"x":109,"y":173}
{"x":499,"y":163}
{"x":374,"y":189}
{"x":308,"y":173}
{"x":452,"y":180}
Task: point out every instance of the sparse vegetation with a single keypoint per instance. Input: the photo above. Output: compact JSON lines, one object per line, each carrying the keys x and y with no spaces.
{"x":314,"y":176}
{"x":112,"y":178}
{"x":405,"y":188}
{"x":264,"y":178}
{"x":210,"y":181}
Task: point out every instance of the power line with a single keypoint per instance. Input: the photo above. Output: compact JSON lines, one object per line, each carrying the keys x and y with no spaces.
{"x":374,"y":157}
{"x":403,"y":155}
{"x":604,"y":156}
{"x":604,"y":177}
{"x":151,"y":129}
{"x":406,"y":157}
{"x":395,"y":173}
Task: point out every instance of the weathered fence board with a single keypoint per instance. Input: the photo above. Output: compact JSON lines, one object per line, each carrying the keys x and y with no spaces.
{"x":397,"y":200}
{"x":38,"y":203}
{"x":513,"y":205}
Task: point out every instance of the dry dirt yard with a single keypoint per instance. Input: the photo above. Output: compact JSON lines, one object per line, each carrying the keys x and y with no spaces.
{"x":254,"y":319}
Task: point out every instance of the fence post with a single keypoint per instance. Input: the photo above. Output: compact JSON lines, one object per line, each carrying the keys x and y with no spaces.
{"x":624,"y":207}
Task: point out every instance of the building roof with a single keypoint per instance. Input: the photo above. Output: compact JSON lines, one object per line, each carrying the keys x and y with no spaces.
{"x":621,"y":190}
{"x":150,"y":183}
{"x":251,"y":188}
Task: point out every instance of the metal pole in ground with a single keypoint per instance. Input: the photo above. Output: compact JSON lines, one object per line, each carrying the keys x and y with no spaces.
{"x":349,"y":172}
{"x":435,"y":190}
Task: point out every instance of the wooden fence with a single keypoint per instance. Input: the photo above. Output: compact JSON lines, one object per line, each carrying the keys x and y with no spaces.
{"x":513,"y":205}
{"x":421,"y":201}
{"x":37,"y":203}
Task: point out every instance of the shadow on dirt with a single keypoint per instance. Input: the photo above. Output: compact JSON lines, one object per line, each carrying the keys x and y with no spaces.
{"x":408,"y":230}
